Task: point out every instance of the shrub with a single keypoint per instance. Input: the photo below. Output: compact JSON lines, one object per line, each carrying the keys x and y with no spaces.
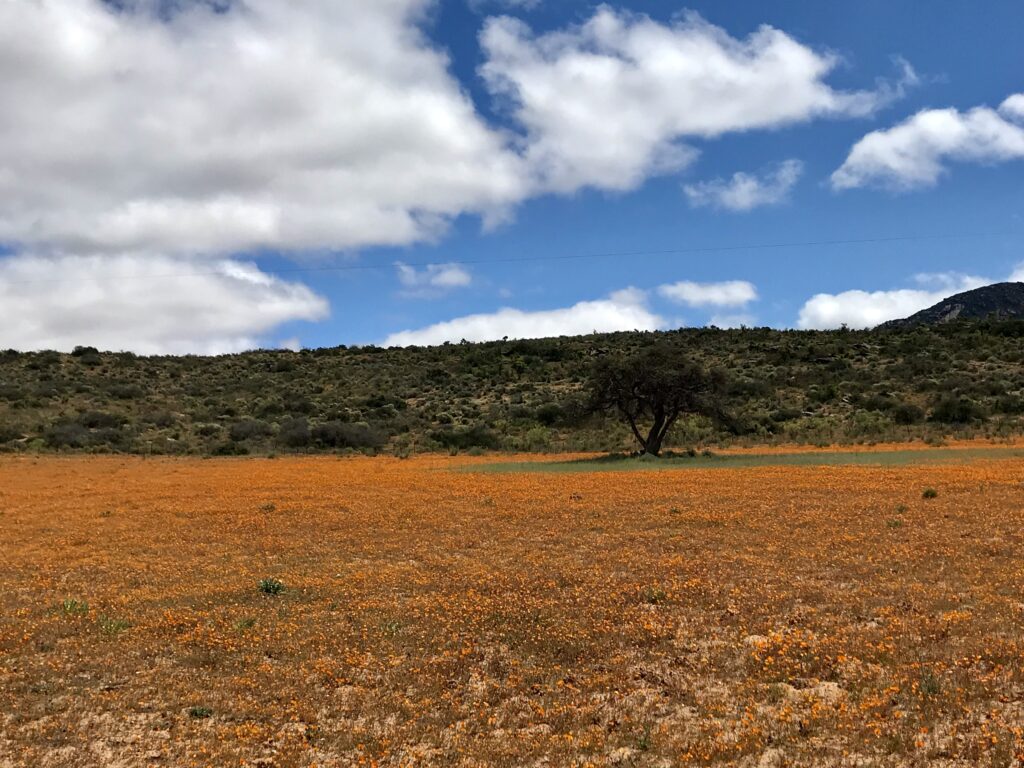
{"x":549,"y":414}
{"x":230,"y":449}
{"x":950,"y":409}
{"x":907,"y":413}
{"x":67,"y":434}
{"x":339,"y":434}
{"x":538,"y":439}
{"x":249,"y":430}
{"x":87,"y":355}
{"x":271,"y":586}
{"x":200,"y":713}
{"x":126,"y":391}
{"x":930,"y":493}
{"x":294,"y":433}
{"x":461,"y":439}
{"x":161,"y":418}
{"x":99,"y":420}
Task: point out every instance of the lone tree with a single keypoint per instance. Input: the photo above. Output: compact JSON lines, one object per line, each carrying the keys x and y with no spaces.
{"x":656,"y":385}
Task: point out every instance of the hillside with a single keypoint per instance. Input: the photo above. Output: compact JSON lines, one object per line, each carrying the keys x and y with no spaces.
{"x":787,"y":386}
{"x":1002,"y":301}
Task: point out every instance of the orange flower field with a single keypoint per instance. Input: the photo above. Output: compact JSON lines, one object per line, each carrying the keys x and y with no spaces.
{"x":427,"y":614}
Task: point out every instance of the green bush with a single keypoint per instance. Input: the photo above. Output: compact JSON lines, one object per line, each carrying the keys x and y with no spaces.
{"x":950,"y":409}
{"x":294,"y":433}
{"x":251,"y":429}
{"x":906,"y":414}
{"x":271,"y":586}
{"x":463,"y":438}
{"x":338,"y":434}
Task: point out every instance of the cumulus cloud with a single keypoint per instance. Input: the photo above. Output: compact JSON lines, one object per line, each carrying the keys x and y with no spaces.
{"x":114,"y":302}
{"x":915,"y":153}
{"x":745,"y":191}
{"x":866,"y":309}
{"x":608,"y":103}
{"x":624,"y":310}
{"x":433,"y":279}
{"x":733,"y":293}
{"x":300,"y":125}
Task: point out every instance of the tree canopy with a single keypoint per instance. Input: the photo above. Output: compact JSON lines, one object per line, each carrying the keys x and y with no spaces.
{"x":651,"y":389}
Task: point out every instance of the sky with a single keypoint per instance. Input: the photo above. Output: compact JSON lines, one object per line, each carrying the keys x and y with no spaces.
{"x":191,"y":176}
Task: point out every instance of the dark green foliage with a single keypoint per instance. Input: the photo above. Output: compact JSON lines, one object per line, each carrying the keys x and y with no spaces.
{"x":99,"y":420}
{"x":88,"y":356}
{"x":67,"y":434}
{"x":339,"y":434}
{"x":950,"y":409}
{"x":907,"y":413}
{"x":549,"y":414}
{"x":271,"y":587}
{"x":295,"y":433}
{"x":250,"y":429}
{"x":463,"y":438}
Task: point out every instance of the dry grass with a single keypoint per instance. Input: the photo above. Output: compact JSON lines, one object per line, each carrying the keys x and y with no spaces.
{"x":759,"y":616}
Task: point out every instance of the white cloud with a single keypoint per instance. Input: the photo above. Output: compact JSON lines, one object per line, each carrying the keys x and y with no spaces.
{"x":336,"y":124}
{"x":433,"y":279}
{"x":113,"y":302}
{"x":734,"y":293}
{"x":606,"y":104}
{"x":915,"y":152}
{"x":863,"y":309}
{"x":745,"y":191}
{"x":314,"y":124}
{"x":623,"y":310}
{"x":1013,"y":107}
{"x":732,"y":321}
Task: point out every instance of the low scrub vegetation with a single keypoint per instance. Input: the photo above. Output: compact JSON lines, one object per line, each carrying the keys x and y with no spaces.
{"x":961,"y":379}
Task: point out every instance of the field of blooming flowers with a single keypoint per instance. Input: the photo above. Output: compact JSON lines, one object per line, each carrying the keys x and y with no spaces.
{"x":380,"y":612}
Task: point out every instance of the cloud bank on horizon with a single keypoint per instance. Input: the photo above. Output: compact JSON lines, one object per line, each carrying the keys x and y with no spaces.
{"x":141,"y":140}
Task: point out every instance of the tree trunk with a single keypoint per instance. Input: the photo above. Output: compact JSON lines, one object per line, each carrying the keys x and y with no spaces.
{"x":656,"y":436}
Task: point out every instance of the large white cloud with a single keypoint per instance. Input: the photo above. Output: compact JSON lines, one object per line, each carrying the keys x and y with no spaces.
{"x":915,"y":152}
{"x":732,"y":293}
{"x":606,"y":104}
{"x":147,"y":304}
{"x":866,"y":309}
{"x":624,"y":310}
{"x":294,"y":125}
{"x":746,"y":191}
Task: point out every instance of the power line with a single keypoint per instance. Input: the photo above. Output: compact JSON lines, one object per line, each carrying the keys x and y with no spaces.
{"x":555,"y":257}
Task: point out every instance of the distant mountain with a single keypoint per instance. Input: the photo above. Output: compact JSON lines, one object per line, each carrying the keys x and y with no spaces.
{"x":1004,"y":301}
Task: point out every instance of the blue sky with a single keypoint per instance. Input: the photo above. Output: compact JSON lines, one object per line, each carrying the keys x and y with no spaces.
{"x":168,"y":209}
